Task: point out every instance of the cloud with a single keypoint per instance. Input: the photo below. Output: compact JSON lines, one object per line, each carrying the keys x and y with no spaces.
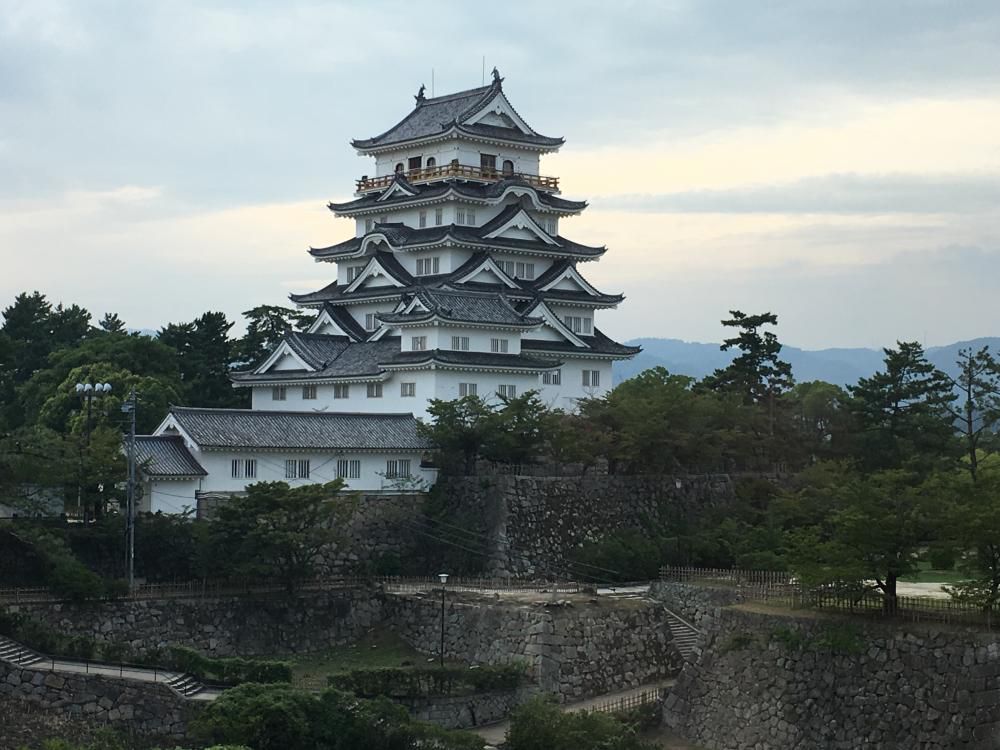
{"x":834,"y":194}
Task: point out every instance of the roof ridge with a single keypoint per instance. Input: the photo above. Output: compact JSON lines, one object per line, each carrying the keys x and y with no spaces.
{"x":276,"y":412}
{"x":456,"y":95}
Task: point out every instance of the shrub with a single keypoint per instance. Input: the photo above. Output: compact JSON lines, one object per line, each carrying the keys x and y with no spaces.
{"x":424,"y":682}
{"x":541,"y":725}
{"x":942,"y":558}
{"x":233,"y":670}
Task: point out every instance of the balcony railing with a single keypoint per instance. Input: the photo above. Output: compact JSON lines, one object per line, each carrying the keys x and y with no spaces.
{"x":458,"y":171}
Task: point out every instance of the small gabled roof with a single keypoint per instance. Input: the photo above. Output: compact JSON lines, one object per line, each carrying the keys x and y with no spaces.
{"x":596,"y":344}
{"x":166,"y":457}
{"x":477,"y":308}
{"x":288,"y":430}
{"x":331,"y":357}
{"x":457,"y":113}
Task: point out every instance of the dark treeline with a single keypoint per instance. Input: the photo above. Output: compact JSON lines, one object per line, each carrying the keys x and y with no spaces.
{"x":853,"y":487}
{"x":46,"y":349}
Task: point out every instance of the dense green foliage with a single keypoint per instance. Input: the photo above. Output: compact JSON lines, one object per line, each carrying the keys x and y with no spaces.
{"x":228,"y":670}
{"x":278,"y":717}
{"x":540,"y":725}
{"x":415,"y":682}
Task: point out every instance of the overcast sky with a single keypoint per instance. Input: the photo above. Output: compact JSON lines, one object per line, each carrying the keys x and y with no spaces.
{"x":837,"y":163}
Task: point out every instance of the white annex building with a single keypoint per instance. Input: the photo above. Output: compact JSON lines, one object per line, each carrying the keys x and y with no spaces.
{"x":456,"y":282}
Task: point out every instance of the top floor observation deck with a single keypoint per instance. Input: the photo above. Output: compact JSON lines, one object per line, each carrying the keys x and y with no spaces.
{"x":454,"y":170}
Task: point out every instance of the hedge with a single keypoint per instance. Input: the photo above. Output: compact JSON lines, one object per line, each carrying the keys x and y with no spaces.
{"x":232,"y":670}
{"x":420,"y":682}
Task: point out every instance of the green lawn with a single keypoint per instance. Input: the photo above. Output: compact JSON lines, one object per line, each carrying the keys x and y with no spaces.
{"x":927,"y":574}
{"x":377,"y":649}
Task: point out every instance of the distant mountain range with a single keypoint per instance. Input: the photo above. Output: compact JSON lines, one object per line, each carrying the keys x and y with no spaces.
{"x":840,"y":366}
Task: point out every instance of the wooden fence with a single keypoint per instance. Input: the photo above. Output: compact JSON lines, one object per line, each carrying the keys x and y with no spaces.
{"x":628,"y":702}
{"x":235,"y":587}
{"x":784,"y":590}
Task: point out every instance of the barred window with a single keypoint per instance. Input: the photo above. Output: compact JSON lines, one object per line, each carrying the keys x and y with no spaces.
{"x":341,"y":390}
{"x":506,"y":390}
{"x":460,"y":343}
{"x":374,"y":390}
{"x":397,"y":468}
{"x":591,"y":378}
{"x":308,"y":392}
{"x":348,"y":468}
{"x":407,"y":390}
{"x":279,"y":393}
{"x":297,"y":468}
{"x":499,"y":346}
{"x":553,"y":377}
{"x":244,"y":468}
{"x":467,"y":389}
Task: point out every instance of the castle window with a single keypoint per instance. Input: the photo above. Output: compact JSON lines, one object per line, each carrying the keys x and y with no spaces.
{"x":297,"y":469}
{"x":428,"y":266}
{"x":499,"y":346}
{"x":369,"y":223}
{"x":431,"y":162}
{"x":553,"y":377}
{"x":341,"y":390}
{"x":460,"y":343}
{"x":353,"y":272}
{"x":370,"y":322}
{"x":488,"y":164}
{"x":506,"y":391}
{"x":374,"y":390}
{"x":470,"y":217}
{"x":438,"y":216}
{"x":308,"y":392}
{"x":467,"y":389}
{"x":418,"y":343}
{"x":524,"y":270}
{"x":591,"y":378}
{"x":397,"y":468}
{"x":348,"y":468}
{"x":423,"y":219}
{"x":407,"y":390}
{"x":244,"y":468}
{"x":508,"y":168}
{"x":459,"y":215}
{"x":414,"y":162}
{"x":399,"y":168}
{"x":279,"y":393}
{"x":578,"y":324}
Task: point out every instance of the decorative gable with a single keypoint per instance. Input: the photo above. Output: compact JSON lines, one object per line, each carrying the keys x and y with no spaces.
{"x":325,"y":324}
{"x":397,"y":188}
{"x":374,"y":275}
{"x":570,"y":280}
{"x":284,"y":358}
{"x":554,"y":329}
{"x":488,"y":272}
{"x":498,"y":111}
{"x":521,"y":226}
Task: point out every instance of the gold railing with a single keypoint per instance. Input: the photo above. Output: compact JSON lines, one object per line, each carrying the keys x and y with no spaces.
{"x":460,"y":171}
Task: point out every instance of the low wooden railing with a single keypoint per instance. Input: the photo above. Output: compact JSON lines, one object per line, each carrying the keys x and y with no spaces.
{"x":459,"y":171}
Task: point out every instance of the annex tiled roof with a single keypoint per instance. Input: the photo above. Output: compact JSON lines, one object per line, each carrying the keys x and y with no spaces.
{"x":166,"y":456}
{"x":265,"y":430}
{"x":440,"y":114}
{"x":333,"y":357}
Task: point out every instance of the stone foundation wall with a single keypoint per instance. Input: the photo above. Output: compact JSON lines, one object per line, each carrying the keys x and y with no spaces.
{"x":142,"y":708}
{"x":535,"y":522}
{"x":699,"y":605}
{"x":261,"y":625}
{"x":770,"y":683}
{"x":381,"y":525}
{"x":466,"y":711}
{"x":575,"y":651}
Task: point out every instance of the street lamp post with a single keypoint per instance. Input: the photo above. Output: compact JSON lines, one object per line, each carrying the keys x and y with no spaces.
{"x":443,"y":577}
{"x":88,"y":392}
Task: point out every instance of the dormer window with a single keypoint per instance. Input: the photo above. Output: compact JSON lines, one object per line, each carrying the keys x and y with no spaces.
{"x":508,"y":168}
{"x":353,"y":272}
{"x":428,"y":266}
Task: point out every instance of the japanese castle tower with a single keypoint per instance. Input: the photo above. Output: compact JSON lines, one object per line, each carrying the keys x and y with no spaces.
{"x":457,"y":280}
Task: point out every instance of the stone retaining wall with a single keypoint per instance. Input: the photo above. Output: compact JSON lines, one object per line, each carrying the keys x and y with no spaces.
{"x":535,"y":522}
{"x":466,"y":711}
{"x":772,"y":682}
{"x":575,"y":651}
{"x":148,"y":709}
{"x":699,"y":605}
{"x":229,"y":626}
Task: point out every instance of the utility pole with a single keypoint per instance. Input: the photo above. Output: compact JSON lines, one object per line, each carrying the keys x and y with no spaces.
{"x":130,"y":407}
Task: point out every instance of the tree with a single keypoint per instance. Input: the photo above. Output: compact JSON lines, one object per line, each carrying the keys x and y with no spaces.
{"x":870,"y":534}
{"x":278,"y":532}
{"x":458,"y":431}
{"x":205,"y":354}
{"x":821,"y":420}
{"x":757,"y":374}
{"x":266,"y":326}
{"x":514,"y":432}
{"x":541,"y":725}
{"x":978,"y":410}
{"x":111,"y":323}
{"x":903,"y":412}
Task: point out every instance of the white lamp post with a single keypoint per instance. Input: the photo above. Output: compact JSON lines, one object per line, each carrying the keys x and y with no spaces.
{"x":443,"y":577}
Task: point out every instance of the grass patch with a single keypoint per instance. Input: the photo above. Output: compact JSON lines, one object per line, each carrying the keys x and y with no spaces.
{"x":927,"y":574}
{"x":377,"y":650}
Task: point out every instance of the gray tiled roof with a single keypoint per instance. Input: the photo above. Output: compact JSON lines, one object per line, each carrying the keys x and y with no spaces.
{"x":474,"y":307}
{"x":165,"y":456}
{"x":472,"y":359}
{"x":438,"y":114}
{"x":472,"y":190}
{"x":336,"y":357}
{"x":248,"y":429}
{"x":597,"y":344}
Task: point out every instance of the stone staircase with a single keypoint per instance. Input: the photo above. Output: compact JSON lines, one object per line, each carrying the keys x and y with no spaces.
{"x":185,"y":684}
{"x":15,"y":653}
{"x":685,"y":635}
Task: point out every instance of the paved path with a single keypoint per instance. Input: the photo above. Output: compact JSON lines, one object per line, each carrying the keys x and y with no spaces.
{"x":494,"y":734}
